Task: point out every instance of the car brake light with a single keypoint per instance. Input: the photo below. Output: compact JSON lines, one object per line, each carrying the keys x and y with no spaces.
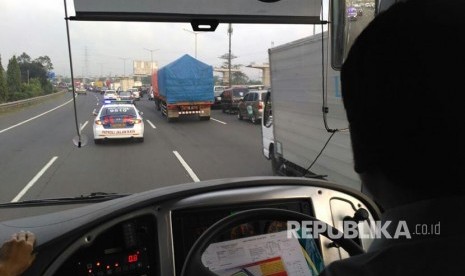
{"x":260,"y":105}
{"x":136,"y":121}
{"x":98,"y":122}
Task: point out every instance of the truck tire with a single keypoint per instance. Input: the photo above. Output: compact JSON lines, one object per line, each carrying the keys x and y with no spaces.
{"x":204,"y":118}
{"x":275,"y":163}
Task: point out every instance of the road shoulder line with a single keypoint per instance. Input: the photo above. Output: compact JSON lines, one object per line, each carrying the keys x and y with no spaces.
{"x":34,"y":180}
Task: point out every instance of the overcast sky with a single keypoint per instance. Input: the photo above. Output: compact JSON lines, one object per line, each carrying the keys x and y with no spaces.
{"x":38,"y":28}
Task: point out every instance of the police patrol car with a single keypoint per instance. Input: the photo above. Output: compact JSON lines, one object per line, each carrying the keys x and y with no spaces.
{"x":118,"y":119}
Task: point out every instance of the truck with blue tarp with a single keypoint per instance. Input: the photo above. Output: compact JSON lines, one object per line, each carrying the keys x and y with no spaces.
{"x":184,"y":88}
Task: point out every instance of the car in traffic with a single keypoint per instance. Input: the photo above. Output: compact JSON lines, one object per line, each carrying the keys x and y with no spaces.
{"x":126,"y":96}
{"x":231,"y":97}
{"x":352,"y":13}
{"x":118,"y":120}
{"x":103,"y":89}
{"x":81,"y":91}
{"x":217,"y":91}
{"x":251,"y":106}
{"x":110,"y":95}
{"x":135,"y":93}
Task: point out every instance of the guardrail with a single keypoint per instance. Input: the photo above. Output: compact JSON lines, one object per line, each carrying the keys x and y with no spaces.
{"x":21,"y":103}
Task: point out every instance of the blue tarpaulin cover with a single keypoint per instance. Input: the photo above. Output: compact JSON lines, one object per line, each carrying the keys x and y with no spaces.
{"x":186,"y":80}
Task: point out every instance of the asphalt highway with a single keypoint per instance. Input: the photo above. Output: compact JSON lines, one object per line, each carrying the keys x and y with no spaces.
{"x":38,"y":158}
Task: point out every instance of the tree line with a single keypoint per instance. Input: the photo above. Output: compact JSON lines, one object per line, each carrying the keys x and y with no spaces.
{"x":25,"y":78}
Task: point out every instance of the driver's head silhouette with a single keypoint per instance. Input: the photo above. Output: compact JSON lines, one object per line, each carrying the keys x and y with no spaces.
{"x":403,"y":93}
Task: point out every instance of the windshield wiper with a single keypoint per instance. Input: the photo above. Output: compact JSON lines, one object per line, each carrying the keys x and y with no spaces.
{"x":90,"y":198}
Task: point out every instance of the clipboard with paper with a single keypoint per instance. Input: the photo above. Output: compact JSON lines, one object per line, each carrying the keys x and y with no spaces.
{"x":273,"y":254}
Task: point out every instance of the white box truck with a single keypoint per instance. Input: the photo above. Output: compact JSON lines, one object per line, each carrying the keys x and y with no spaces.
{"x":293,"y":127}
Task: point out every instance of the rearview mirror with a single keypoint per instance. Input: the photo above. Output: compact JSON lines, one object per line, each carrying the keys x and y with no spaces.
{"x":348,"y":20}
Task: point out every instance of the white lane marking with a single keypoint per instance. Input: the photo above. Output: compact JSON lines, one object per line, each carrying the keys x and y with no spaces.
{"x":218,"y":121}
{"x":35,"y":117}
{"x":150,"y":123}
{"x":188,"y":169}
{"x":34,"y":180}
{"x":84,"y":125}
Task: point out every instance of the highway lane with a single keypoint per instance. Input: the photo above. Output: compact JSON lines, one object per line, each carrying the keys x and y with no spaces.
{"x":211,"y":149}
{"x":26,"y":148}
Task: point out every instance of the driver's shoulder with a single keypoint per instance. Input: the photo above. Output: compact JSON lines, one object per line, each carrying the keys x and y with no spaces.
{"x":420,"y":257}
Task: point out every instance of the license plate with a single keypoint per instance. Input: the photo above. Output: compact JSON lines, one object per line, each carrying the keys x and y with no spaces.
{"x":118,"y":125}
{"x":190,"y":108}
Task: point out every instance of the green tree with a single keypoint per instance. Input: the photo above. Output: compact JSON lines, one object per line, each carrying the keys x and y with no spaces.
{"x":46,"y":62}
{"x":3,"y":87}
{"x":24,"y":58}
{"x":255,"y":82}
{"x":13,"y":79}
{"x":32,"y":89}
{"x":33,"y":70}
{"x":237,"y":77}
{"x":216,"y":80}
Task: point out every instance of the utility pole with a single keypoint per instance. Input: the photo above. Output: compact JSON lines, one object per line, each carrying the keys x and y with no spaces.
{"x":195,"y":43}
{"x":86,"y":63}
{"x":230,"y":30}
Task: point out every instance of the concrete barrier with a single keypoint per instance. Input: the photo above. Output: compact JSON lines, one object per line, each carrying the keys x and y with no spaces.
{"x":22,"y":103}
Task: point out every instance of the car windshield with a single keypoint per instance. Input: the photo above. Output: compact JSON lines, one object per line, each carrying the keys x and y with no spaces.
{"x":205,"y":140}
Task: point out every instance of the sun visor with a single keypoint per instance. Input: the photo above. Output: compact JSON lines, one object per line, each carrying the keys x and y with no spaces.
{"x":221,"y":11}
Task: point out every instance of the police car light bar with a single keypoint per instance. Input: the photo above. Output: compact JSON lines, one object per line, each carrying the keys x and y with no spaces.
{"x":118,"y":101}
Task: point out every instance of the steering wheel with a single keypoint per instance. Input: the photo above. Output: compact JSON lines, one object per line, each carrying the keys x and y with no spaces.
{"x":193,"y":264}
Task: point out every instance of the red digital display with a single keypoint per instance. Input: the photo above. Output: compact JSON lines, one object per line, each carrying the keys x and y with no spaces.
{"x":132,"y":258}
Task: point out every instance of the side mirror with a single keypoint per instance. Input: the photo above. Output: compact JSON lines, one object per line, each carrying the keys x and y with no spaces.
{"x":348,"y":20}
